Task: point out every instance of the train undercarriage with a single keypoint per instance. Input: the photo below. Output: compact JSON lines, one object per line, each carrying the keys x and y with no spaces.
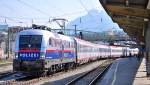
{"x":40,"y":67}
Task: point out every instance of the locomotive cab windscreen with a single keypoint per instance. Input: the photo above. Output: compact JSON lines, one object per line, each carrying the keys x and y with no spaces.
{"x":30,"y":42}
{"x":29,"y":47}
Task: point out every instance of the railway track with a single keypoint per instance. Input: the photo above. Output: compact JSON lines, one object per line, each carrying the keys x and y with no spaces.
{"x":10,"y":77}
{"x":20,"y":79}
{"x":90,"y":77}
{"x":4,"y":74}
{"x":13,"y":76}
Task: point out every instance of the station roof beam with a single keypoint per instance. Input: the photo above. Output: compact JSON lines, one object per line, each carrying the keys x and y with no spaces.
{"x":131,"y":15}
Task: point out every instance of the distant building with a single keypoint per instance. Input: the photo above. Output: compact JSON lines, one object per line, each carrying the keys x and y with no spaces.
{"x":15,"y":29}
{"x":3,"y":26}
{"x":3,"y":46}
{"x":1,"y":53}
{"x":4,"y":31}
{"x":110,"y":32}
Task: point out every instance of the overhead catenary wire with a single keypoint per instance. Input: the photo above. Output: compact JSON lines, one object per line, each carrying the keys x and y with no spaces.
{"x":21,"y":19}
{"x":7,"y":6}
{"x":71,"y":13}
{"x":80,"y":1}
{"x":44,"y":18}
{"x":29,"y":5}
{"x":87,"y":10}
{"x":11,"y":19}
{"x":65,"y":14}
{"x":38,"y":10}
{"x":14,"y":20}
{"x":55,"y":7}
{"x":24,"y":18}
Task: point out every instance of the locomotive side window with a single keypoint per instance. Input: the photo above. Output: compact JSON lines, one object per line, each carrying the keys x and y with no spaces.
{"x":50,"y":41}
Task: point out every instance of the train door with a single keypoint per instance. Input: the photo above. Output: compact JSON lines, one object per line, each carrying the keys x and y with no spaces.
{"x":76,"y":48}
{"x":124,"y":51}
{"x":62,"y":51}
{"x":109,"y":51}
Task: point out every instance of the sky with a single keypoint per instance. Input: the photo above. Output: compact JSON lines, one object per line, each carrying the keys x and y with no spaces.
{"x":26,"y":12}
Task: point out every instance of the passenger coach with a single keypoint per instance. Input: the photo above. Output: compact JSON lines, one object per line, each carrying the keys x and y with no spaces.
{"x":42,"y":52}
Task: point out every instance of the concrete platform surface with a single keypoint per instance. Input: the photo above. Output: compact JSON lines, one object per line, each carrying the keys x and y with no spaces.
{"x":141,"y":77}
{"x":6,"y":68}
{"x":122,"y":72}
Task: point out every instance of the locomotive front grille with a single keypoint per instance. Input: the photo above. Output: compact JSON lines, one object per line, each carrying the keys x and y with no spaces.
{"x":32,"y":65}
{"x":36,"y":65}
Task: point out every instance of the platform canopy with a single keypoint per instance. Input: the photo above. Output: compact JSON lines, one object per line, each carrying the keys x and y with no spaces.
{"x":131,"y":15}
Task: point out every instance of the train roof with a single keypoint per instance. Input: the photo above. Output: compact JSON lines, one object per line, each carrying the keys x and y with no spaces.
{"x":33,"y":32}
{"x":45,"y":33}
{"x":83,"y":42}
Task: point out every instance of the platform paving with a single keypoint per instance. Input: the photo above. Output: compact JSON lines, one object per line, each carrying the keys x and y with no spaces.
{"x":122,"y":72}
{"x":5,"y":68}
{"x":141,"y":77}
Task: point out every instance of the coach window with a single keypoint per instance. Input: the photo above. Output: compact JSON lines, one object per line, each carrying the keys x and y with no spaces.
{"x":89,"y":49}
{"x":78,"y":47}
{"x":93,"y":49}
{"x":59,"y":43}
{"x":67,"y":44}
{"x":71,"y":45}
{"x":55,"y":42}
{"x":50,"y":41}
{"x":105,"y":50}
{"x":64,"y":42}
{"x":81,"y":48}
{"x":101,"y":49}
{"x":86,"y":48}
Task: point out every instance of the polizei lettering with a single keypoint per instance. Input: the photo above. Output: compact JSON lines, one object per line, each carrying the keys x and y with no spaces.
{"x":32,"y":55}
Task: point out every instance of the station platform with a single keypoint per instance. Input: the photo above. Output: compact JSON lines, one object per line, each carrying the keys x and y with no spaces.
{"x":141,"y":76}
{"x":6,"y":67}
{"x":126,"y":71}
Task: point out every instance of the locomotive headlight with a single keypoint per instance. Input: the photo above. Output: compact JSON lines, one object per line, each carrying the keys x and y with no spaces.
{"x":42,"y":55}
{"x":16,"y":55}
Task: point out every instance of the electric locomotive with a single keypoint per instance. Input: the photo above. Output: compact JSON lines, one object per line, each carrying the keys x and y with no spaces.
{"x":39,"y":51}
